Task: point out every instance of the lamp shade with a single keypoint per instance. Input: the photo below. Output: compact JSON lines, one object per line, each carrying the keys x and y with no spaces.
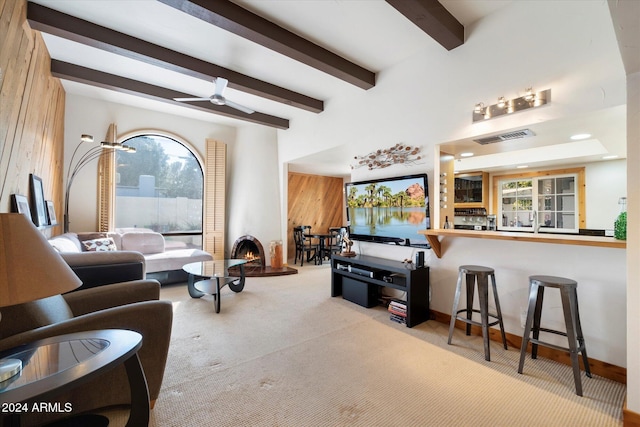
{"x":30,"y":268}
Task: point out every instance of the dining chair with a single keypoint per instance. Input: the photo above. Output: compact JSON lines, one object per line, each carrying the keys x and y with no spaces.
{"x":335,"y":241}
{"x":304,"y":244}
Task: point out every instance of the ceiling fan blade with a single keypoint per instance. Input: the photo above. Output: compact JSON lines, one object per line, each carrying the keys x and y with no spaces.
{"x":239,"y":107}
{"x":221,"y":85}
{"x":191,"y":99}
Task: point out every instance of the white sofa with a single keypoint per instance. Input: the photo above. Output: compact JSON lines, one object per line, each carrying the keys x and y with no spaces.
{"x":117,"y":248}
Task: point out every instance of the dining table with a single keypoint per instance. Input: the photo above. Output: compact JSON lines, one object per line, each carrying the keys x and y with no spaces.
{"x":322,"y":239}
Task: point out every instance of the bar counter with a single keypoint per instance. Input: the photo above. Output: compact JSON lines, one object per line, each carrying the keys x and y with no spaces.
{"x":562,"y":239}
{"x":597,"y":263}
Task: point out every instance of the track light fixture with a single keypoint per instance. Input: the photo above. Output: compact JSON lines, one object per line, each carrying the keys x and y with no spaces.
{"x":530,"y":99}
{"x":529,"y":95}
{"x":479,"y":108}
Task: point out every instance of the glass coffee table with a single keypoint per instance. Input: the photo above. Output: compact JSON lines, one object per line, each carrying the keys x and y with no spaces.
{"x":208,"y":277}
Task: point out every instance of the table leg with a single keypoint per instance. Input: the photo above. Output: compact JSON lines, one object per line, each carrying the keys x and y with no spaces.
{"x":238,"y":285}
{"x":193,"y":292}
{"x":139,"y":415}
{"x":216,"y":296}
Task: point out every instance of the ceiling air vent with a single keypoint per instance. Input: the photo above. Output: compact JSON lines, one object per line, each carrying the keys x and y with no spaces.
{"x":505,"y":137}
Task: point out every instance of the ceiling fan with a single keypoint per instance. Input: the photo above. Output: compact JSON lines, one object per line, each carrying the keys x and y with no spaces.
{"x":217,"y":98}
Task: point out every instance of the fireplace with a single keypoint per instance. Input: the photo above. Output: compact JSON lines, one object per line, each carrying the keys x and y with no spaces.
{"x":249,"y":248}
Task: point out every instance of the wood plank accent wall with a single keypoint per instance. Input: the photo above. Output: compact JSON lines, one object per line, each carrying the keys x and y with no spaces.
{"x":313,"y":200}
{"x":32,"y":105}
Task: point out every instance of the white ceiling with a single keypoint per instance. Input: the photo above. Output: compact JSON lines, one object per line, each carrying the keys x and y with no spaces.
{"x":369,"y":33}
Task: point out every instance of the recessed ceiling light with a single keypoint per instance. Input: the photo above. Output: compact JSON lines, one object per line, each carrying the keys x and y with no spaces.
{"x":522,"y":166}
{"x":612,"y":156}
{"x":466,"y":154}
{"x":579,"y":136}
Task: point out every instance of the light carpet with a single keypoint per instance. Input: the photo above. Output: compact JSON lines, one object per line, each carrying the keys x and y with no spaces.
{"x":284,"y":353}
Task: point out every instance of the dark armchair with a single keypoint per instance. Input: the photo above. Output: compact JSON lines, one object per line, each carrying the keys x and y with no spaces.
{"x":130,"y":305}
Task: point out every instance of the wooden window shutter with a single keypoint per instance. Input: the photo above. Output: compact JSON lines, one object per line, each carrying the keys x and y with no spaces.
{"x":107,"y":184}
{"x":214,"y":198}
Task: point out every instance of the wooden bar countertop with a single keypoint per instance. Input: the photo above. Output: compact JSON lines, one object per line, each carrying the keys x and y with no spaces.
{"x":562,"y":239}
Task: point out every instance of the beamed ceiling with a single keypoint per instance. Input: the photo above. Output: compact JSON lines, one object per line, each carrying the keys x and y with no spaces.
{"x":145,"y":42}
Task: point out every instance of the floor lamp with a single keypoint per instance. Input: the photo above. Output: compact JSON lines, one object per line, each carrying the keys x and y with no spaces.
{"x":92,"y":154}
{"x":30,"y":269}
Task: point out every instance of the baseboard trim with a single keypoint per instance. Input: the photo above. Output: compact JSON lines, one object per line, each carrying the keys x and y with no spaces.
{"x":598,"y":367}
{"x":629,"y":418}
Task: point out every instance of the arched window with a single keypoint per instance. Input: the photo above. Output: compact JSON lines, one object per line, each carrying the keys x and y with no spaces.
{"x":160,"y":187}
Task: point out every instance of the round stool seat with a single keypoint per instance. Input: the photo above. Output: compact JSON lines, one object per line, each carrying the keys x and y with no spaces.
{"x":475,"y":269}
{"x":553,"y":281}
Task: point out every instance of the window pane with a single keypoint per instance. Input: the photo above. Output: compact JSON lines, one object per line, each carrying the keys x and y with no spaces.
{"x":159,"y":186}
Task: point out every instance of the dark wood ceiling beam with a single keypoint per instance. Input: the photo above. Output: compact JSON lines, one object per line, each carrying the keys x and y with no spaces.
{"x":69,"y":27}
{"x":432,"y":18}
{"x":237,"y":20}
{"x":76,"y":73}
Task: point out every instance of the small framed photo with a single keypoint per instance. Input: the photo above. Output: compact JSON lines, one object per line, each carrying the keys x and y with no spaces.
{"x":39,"y":209}
{"x":20,"y":204}
{"x":51,"y":212}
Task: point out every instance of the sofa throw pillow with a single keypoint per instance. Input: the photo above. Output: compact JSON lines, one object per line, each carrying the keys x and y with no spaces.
{"x":99,"y":245}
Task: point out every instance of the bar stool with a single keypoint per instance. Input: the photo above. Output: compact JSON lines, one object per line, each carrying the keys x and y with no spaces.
{"x":477,"y":274}
{"x":569,"y":296}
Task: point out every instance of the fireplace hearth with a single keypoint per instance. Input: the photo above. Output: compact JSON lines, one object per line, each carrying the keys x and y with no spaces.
{"x":249,"y":248}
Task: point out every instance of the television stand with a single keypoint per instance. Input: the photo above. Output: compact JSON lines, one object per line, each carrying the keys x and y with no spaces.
{"x":362,"y":284}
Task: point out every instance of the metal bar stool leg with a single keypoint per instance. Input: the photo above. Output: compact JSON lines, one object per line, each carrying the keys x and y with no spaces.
{"x":483,"y":296}
{"x":498,"y":310}
{"x":454,"y":310}
{"x":533,"y":293}
{"x":568,"y":305}
{"x":582,"y":345}
{"x":537,"y":313}
{"x":471,"y":279}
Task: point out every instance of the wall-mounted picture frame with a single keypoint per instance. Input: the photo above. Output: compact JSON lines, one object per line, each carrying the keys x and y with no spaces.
{"x":20,"y":204}
{"x":51,"y":212}
{"x":38,"y":206}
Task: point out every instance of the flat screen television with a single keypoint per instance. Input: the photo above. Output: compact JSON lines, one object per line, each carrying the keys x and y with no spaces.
{"x":390,"y":210}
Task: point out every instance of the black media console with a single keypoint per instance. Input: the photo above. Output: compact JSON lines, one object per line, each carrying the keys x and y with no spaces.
{"x":358,"y":279}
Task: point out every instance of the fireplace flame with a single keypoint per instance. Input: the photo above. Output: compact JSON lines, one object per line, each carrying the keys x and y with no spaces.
{"x":250,"y":256}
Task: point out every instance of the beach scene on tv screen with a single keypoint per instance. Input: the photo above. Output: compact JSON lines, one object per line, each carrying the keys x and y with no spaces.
{"x":393,"y":208}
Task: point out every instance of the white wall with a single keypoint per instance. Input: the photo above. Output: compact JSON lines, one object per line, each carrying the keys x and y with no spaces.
{"x":633,"y":244}
{"x":253,"y":201}
{"x":605,"y":183}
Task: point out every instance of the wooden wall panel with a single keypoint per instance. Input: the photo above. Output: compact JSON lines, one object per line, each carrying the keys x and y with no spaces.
{"x":313,"y":200}
{"x":31,"y":112}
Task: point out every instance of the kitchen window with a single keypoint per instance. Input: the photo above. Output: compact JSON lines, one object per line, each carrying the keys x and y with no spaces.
{"x":541,"y":201}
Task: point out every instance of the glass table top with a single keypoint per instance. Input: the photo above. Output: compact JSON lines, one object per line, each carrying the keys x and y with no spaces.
{"x":215,"y":268}
{"x":51,"y":359}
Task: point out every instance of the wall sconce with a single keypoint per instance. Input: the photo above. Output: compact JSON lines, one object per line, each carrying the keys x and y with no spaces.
{"x":530,"y":99}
